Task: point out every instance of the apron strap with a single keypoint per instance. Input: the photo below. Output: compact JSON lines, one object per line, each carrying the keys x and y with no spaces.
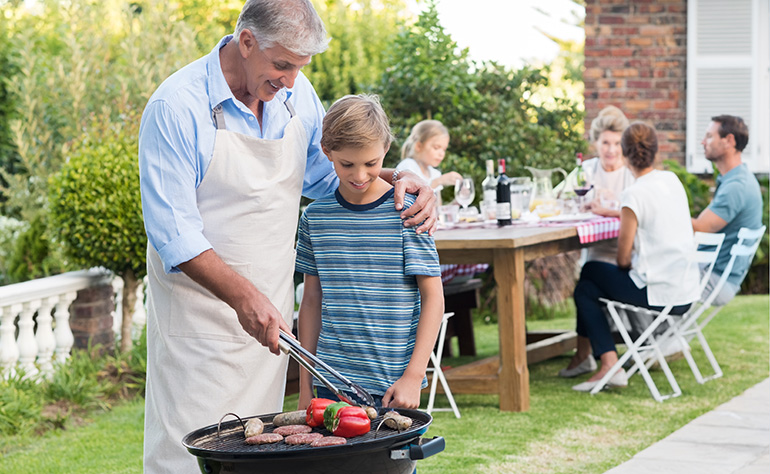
{"x":219,"y":117}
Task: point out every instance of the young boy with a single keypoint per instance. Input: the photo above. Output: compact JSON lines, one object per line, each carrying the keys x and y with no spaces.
{"x":373,"y":299}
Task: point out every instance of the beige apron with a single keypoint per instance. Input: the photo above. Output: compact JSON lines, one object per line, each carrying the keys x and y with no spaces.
{"x":201,"y":363}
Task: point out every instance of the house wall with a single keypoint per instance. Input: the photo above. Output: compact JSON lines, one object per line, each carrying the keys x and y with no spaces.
{"x":635,"y":59}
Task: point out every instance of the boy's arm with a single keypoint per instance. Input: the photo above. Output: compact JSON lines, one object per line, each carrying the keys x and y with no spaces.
{"x":405,"y":392}
{"x":308,"y":329}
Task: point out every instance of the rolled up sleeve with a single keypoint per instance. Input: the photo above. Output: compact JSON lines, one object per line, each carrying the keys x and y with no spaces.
{"x":168,"y":181}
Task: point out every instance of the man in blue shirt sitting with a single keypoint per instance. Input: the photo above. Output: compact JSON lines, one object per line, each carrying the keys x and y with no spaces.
{"x":737,"y":201}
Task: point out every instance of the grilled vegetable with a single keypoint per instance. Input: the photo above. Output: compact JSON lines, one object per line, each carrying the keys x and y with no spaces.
{"x":314,"y":416}
{"x":290,"y":418}
{"x":330,"y":413}
{"x":253,"y":427}
{"x":346,"y":421}
{"x":397,"y":421}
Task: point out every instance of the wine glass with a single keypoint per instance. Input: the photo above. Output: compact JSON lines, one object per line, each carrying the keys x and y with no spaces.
{"x":464,"y":192}
{"x":583,"y":184}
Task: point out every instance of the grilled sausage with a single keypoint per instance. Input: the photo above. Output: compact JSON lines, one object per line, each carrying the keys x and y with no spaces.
{"x":303,"y":438}
{"x":290,"y":418}
{"x":289,"y":430}
{"x":253,"y":427}
{"x":328,"y":441}
{"x":371,"y":412}
{"x":264,"y":438}
{"x":397,"y":421}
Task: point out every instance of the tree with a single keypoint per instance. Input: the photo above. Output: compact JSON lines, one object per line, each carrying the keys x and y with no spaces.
{"x":71,"y":69}
{"x":487,"y":108}
{"x":360,"y":30}
{"x":95,"y":205}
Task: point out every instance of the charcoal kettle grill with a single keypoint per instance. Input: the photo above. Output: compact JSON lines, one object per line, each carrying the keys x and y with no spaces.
{"x":222,"y":449}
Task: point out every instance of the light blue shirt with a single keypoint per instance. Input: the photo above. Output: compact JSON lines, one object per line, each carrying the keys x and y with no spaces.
{"x":738,"y":201}
{"x":176,"y":144}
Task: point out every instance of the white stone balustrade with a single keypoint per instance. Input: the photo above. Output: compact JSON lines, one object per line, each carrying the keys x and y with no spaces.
{"x":34,"y":321}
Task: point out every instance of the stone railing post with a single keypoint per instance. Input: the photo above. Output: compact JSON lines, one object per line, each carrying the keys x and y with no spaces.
{"x":62,"y":332}
{"x":9,"y":349}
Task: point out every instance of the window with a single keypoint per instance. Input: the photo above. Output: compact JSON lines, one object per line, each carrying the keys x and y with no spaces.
{"x":728,"y":72}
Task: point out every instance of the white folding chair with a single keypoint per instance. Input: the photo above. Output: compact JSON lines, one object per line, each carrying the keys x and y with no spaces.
{"x":692,"y":325}
{"x":438,"y":374}
{"x":646,"y":349}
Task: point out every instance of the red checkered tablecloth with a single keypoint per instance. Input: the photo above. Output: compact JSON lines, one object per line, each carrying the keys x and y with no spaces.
{"x":448,"y":272}
{"x":598,"y":229}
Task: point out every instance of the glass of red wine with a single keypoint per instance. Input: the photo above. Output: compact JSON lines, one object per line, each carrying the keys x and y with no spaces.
{"x":583,"y":185}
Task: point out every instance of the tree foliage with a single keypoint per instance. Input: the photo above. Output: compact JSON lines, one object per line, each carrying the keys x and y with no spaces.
{"x":487,"y":108}
{"x":72,"y":68}
{"x":95,"y":205}
{"x":361,"y":31}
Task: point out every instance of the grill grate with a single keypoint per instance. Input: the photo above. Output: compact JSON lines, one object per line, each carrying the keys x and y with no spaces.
{"x":232,"y":441}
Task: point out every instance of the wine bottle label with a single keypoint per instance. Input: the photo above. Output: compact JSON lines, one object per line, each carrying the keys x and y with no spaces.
{"x":490,"y":195}
{"x":503,"y":209}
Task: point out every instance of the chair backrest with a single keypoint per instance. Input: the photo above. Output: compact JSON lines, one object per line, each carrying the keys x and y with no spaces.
{"x":707,"y":250}
{"x":746,"y":246}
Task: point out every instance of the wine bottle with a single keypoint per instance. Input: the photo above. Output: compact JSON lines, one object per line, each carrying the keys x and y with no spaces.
{"x":503,"y":209}
{"x":489,"y":187}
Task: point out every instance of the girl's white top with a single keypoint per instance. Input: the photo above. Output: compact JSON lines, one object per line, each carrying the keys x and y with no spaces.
{"x":410,"y":164}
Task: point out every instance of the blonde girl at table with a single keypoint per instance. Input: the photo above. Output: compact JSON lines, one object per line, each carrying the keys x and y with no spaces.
{"x":422,"y":153}
{"x":424,"y":150}
{"x":652,"y":270}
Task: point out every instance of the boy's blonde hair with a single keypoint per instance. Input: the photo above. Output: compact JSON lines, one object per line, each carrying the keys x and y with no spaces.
{"x":355,"y":121}
{"x":421,"y":133}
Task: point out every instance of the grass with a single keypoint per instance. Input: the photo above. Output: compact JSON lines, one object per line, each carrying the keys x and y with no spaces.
{"x":563,"y":432}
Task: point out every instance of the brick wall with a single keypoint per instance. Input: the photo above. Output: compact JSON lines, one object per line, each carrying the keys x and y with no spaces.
{"x":91,"y":317}
{"x":635,"y":58}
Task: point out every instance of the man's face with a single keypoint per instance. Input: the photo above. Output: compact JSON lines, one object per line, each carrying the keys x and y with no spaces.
{"x":714,"y":146}
{"x":357,"y":169}
{"x":269,"y":70}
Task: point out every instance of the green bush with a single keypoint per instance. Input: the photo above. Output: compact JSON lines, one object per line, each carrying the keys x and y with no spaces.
{"x":96,"y":207}
{"x":21,"y":404}
{"x":67,"y":69}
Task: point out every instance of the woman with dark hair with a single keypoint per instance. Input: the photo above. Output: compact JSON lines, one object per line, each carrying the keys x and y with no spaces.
{"x":652,"y":271}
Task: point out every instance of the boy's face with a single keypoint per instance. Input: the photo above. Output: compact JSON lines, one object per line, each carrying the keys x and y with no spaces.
{"x":358,"y":169}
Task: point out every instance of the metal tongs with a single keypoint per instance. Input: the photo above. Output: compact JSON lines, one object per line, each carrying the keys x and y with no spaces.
{"x":292,"y":347}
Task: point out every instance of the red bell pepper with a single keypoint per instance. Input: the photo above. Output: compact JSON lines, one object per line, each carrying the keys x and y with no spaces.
{"x":346,"y":421}
{"x":314,"y":416}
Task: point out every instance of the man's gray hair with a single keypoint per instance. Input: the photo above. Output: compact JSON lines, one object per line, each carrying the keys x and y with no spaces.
{"x":293,"y":24}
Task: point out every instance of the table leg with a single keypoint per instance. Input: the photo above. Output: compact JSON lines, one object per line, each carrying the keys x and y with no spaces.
{"x":514,"y":374}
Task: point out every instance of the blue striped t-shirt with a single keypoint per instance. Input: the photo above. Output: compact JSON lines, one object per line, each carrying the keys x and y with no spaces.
{"x":366,"y":261}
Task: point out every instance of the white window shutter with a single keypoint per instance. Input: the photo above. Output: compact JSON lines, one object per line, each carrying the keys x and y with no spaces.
{"x":728,"y":72}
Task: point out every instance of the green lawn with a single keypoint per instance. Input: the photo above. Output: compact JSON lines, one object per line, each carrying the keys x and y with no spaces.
{"x":563,"y":432}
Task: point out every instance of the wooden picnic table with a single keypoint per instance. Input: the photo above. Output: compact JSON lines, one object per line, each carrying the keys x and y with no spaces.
{"x":507,"y":249}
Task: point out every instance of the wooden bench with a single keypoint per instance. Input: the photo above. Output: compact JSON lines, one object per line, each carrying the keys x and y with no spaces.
{"x":460,"y":298}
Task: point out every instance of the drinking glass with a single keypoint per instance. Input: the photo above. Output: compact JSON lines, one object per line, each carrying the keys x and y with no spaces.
{"x":464,"y":192}
{"x":583,"y":184}
{"x":521,"y":192}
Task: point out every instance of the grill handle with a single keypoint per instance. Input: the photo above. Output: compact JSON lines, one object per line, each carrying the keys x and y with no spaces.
{"x":423,"y":449}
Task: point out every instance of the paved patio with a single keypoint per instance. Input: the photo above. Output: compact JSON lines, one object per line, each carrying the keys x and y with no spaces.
{"x":734,"y":438}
